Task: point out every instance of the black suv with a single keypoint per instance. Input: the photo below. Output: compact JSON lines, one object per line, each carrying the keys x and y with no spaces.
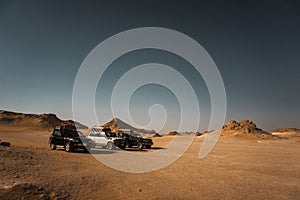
{"x":136,"y":140}
{"x":70,"y":140}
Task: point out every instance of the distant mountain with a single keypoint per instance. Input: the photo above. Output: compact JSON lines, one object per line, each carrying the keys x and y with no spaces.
{"x":115,"y":124}
{"x":287,"y":132}
{"x":34,"y":121}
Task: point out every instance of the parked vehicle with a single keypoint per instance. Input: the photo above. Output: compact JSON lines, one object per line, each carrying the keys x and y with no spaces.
{"x":103,"y":137}
{"x":135,"y":140}
{"x":69,"y":138}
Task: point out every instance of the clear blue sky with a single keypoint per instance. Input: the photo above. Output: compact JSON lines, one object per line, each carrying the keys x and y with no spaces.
{"x":255,"y":45}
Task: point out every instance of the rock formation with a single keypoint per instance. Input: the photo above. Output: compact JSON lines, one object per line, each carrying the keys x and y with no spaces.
{"x":244,"y":127}
{"x":115,"y":124}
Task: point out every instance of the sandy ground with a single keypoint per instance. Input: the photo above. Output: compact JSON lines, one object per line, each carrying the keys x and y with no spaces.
{"x":237,"y":168}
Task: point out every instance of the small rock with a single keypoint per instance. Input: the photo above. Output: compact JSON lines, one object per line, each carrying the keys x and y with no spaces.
{"x":173,"y":133}
{"x":52,"y":194}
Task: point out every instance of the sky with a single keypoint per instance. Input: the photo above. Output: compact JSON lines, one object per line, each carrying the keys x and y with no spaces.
{"x":254,"y":44}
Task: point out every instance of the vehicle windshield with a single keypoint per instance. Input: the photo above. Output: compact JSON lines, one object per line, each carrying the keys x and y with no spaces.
{"x":73,"y":134}
{"x":80,"y":134}
{"x":96,"y":130}
{"x":136,"y":135}
{"x":111,"y":134}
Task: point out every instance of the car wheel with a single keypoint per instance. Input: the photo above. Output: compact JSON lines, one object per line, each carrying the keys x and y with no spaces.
{"x":52,"y":146}
{"x":68,"y":147}
{"x":140,"y":146}
{"x":148,"y":146}
{"x":110,"y":146}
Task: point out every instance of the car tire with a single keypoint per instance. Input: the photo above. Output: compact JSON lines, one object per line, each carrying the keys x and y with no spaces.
{"x":68,"y":147}
{"x":140,"y":146}
{"x":110,"y":146}
{"x":52,"y":146}
{"x":148,"y":146}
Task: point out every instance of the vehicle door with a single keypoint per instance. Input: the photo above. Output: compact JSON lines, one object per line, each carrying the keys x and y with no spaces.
{"x":132,"y":140}
{"x":98,"y":138}
{"x":57,"y":138}
{"x":102,"y":139}
{"x":94,"y":136}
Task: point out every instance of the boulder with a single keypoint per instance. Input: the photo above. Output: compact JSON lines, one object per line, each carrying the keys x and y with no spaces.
{"x":173,"y":133}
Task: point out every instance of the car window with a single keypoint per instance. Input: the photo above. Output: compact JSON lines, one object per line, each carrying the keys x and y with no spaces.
{"x":80,"y":134}
{"x":135,"y":135}
{"x":102,"y":134}
{"x":71,"y":134}
{"x":96,"y":134}
{"x":93,"y":134}
{"x":57,"y":133}
{"x":111,"y":134}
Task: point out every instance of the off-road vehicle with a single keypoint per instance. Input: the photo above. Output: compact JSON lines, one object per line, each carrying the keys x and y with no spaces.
{"x":69,"y":138}
{"x":103,"y":137}
{"x":135,"y":140}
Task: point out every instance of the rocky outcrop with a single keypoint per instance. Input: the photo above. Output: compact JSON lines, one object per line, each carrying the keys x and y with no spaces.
{"x":115,"y":124}
{"x":173,"y":133}
{"x":244,"y":127}
{"x":156,"y":135}
{"x":199,"y":133}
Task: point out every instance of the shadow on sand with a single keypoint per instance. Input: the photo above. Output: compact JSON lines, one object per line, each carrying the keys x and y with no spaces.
{"x":106,"y":151}
{"x":93,"y":151}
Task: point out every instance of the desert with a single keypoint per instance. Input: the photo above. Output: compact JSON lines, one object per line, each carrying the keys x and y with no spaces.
{"x":149,"y":100}
{"x":239,"y":167}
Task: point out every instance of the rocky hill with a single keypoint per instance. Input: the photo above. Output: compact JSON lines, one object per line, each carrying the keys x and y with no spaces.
{"x":34,"y":121}
{"x":286,"y":132}
{"x":244,"y":128}
{"x":115,"y":124}
{"x":173,"y":133}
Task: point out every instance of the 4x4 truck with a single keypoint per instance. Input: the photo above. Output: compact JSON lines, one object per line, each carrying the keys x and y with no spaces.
{"x":103,"y":137}
{"x":135,"y":140}
{"x":69,"y":138}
